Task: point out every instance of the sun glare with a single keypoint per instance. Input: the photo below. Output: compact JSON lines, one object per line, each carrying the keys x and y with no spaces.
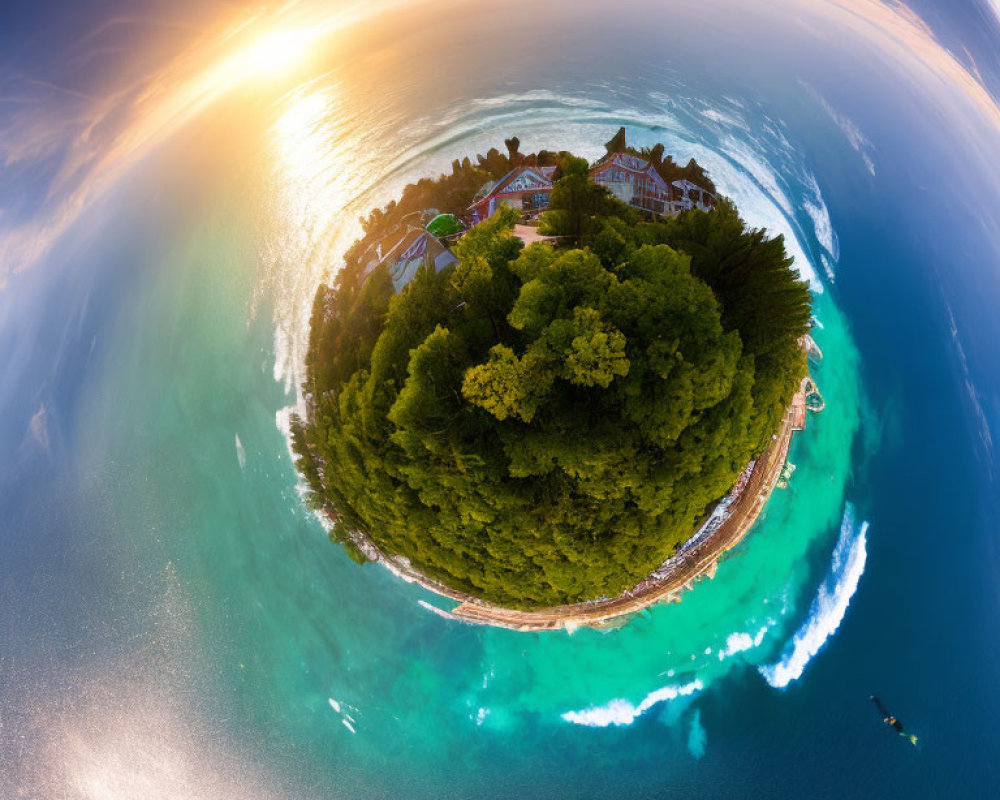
{"x":276,"y":52}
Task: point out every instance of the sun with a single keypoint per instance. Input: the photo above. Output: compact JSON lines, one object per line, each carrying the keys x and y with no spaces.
{"x":275,"y":52}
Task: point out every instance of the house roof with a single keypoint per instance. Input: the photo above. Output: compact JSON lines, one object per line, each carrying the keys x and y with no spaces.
{"x":687,"y":185}
{"x":443,"y":225}
{"x":484,"y":191}
{"x":625,"y":161}
{"x":540,"y":175}
{"x":401,"y":244}
{"x":414,"y":250}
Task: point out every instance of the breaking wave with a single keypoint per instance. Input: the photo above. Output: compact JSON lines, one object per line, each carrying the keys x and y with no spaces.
{"x":816,"y":208}
{"x":337,"y":187}
{"x":740,"y":642}
{"x":829,"y":606}
{"x":622,"y":712}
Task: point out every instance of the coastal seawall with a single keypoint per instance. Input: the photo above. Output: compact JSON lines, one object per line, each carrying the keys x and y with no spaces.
{"x":696,"y":558}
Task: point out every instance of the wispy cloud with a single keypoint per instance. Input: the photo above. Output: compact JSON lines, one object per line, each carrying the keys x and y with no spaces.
{"x":899,"y":34}
{"x":64,"y":147}
{"x":994,"y":6}
{"x":38,"y":429}
{"x":854,"y":135}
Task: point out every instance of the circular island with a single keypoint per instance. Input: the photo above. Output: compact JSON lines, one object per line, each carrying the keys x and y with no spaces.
{"x":555,"y":392}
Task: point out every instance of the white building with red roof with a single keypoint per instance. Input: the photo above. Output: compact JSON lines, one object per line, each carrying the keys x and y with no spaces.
{"x":524,"y":188}
{"x":632,"y":180}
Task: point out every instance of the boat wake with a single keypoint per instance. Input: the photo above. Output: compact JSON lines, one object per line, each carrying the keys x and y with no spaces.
{"x":829,"y":606}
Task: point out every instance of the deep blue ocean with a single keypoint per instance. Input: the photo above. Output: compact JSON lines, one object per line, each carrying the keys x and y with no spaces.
{"x":173,"y":621}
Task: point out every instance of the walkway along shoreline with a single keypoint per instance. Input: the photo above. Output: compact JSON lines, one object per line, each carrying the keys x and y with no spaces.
{"x":698,"y":557}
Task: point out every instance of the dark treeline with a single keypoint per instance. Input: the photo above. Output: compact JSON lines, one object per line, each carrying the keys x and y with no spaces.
{"x":546,"y":425}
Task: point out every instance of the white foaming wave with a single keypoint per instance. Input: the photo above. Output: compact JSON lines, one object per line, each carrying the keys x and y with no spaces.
{"x":759,"y":208}
{"x":740,"y":152}
{"x":730,"y":120}
{"x":985,"y":432}
{"x":740,"y":642}
{"x":435,"y":610}
{"x":622,"y":712}
{"x":827,"y":267}
{"x":821,"y":223}
{"x":829,"y":606}
{"x":820,"y":216}
{"x":737,"y":643}
{"x":241,"y":453}
{"x":346,"y":718}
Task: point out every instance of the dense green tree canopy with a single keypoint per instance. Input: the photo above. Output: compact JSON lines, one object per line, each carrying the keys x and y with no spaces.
{"x":541,"y":425}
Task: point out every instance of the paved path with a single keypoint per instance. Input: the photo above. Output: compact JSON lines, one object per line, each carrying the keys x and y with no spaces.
{"x":690,"y":563}
{"x":697,"y":557}
{"x":529,"y":235}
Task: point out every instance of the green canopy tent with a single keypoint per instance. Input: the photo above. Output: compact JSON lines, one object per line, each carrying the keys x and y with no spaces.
{"x":444,"y":225}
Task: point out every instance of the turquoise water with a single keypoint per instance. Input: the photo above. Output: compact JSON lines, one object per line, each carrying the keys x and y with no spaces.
{"x":302,"y":640}
{"x":179,"y":625}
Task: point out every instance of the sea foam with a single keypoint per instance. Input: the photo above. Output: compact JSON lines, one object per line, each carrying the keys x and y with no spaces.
{"x":739,"y":642}
{"x":697,"y":738}
{"x":622,"y":712}
{"x":763,"y":203}
{"x":820,"y":216}
{"x":241,"y":453}
{"x":829,"y":606}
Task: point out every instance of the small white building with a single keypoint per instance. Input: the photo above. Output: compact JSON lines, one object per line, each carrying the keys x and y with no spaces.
{"x":685,"y":195}
{"x":632,"y":180}
{"x":417,"y":248}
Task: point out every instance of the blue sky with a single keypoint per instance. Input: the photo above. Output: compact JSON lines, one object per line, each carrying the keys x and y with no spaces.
{"x":89,"y":89}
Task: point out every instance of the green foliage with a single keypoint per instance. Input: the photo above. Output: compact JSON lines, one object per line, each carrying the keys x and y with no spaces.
{"x":448,"y":194}
{"x":577,"y":205}
{"x":761,"y":296}
{"x":537,"y":426}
